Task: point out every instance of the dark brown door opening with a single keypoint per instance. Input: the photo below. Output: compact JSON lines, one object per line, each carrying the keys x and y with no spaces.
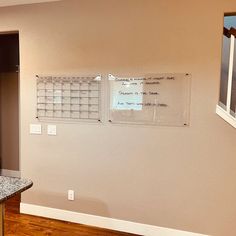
{"x":9,"y":103}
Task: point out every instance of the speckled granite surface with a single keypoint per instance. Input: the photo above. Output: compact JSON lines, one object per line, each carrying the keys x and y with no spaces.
{"x":11,"y":186}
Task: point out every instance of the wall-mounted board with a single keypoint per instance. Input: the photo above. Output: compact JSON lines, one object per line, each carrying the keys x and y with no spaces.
{"x":160,"y":99}
{"x":68,"y":98}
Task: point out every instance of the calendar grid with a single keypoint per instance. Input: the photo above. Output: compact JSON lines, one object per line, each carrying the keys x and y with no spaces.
{"x":68,"y":98}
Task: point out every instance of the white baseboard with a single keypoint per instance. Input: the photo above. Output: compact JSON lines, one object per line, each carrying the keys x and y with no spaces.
{"x":17,"y":2}
{"x":102,"y":222}
{"x":10,"y":173}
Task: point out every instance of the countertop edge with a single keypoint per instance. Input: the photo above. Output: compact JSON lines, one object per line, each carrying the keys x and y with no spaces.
{"x":15,"y":193}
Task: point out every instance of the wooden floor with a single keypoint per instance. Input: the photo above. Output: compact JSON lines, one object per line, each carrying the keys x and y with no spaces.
{"x":17,"y":224}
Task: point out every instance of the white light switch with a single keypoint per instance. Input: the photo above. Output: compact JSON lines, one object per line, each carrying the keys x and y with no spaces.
{"x":52,"y":130}
{"x":35,"y":129}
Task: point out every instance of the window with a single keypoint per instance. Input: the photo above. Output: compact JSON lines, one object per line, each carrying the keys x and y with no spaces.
{"x":226,"y":107}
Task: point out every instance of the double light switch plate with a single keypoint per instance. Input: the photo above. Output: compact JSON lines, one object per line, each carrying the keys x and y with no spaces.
{"x":37,"y":129}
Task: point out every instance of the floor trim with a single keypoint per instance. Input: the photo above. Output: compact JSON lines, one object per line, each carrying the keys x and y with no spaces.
{"x":22,"y":2}
{"x":102,"y":222}
{"x":10,"y":173}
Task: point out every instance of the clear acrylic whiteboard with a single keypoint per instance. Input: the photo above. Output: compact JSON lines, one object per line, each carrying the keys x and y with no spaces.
{"x":68,"y":98}
{"x":160,"y":99}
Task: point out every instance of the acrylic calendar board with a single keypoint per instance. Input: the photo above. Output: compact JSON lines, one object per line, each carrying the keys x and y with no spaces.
{"x":160,"y":99}
{"x":68,"y":98}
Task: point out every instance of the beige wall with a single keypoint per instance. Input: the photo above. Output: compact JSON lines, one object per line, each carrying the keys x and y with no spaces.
{"x":180,"y":178}
{"x":9,"y":121}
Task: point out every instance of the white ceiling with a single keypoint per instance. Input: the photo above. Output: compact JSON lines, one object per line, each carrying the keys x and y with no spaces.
{"x":4,"y":3}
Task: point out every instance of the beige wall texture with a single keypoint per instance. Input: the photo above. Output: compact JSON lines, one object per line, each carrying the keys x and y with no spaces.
{"x":181,"y":178}
{"x":9,"y":121}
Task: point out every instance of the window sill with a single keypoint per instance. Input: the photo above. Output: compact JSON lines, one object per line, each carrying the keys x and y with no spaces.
{"x":226,"y":116}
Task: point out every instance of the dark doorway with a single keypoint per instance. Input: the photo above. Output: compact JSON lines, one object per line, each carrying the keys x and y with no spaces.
{"x":9,"y":104}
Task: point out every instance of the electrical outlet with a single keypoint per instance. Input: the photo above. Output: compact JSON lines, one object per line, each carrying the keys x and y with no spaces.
{"x":71,"y":195}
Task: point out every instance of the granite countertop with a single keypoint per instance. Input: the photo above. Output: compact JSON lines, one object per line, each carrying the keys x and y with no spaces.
{"x":10,"y":186}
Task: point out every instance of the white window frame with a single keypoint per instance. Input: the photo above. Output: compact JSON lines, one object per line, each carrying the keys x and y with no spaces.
{"x":222,"y":110}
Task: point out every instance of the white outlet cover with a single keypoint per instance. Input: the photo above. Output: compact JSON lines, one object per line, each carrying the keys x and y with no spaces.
{"x":52,"y":130}
{"x":71,"y":195}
